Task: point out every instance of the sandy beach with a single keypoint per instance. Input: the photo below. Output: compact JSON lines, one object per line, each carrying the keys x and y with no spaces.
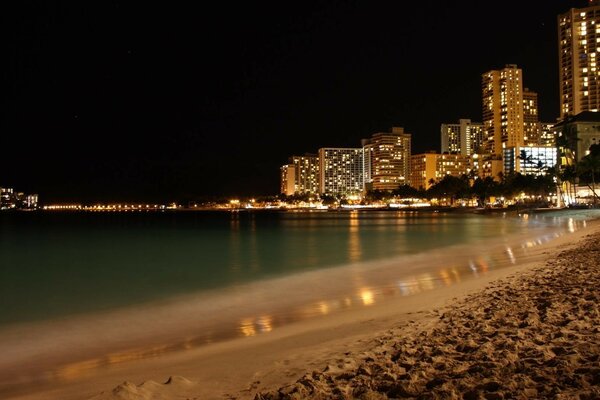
{"x":524,"y":331}
{"x":534,"y":335}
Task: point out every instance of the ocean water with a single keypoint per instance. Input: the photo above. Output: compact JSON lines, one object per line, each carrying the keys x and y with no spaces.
{"x":57,"y":264}
{"x":81,"y":292}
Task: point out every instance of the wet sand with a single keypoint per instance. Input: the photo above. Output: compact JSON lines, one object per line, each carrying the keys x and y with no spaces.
{"x":357,"y":352}
{"x":536,"y":335}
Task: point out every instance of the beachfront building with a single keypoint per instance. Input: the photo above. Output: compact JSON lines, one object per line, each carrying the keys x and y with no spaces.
{"x":579,"y":73}
{"x":367,"y":153}
{"x":386,"y":159}
{"x":287,"y":179}
{"x":306,"y":173}
{"x":502,"y":95}
{"x":547,"y":134}
{"x":464,"y":138}
{"x":485,"y":166}
{"x":301,"y":175}
{"x":9,"y":200}
{"x":430,"y":167}
{"x":531,"y":119}
{"x":577,"y":134}
{"x":341,"y":171}
{"x":30,"y":201}
{"x":529,"y":160}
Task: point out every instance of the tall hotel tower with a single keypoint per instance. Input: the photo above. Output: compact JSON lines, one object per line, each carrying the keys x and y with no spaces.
{"x":578,"y":50}
{"x":341,"y":171}
{"x":464,"y":138}
{"x":389,"y":159}
{"x":502,"y":92}
{"x":532,"y":129}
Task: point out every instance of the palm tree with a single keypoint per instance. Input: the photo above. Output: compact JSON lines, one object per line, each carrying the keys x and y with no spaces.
{"x":484,"y":188}
{"x":589,"y":166}
{"x":566,"y":142}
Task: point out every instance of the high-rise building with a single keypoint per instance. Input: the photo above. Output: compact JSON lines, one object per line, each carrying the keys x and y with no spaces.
{"x":547,"y":134}
{"x":531,"y":119}
{"x":430,"y":167}
{"x":341,"y":171}
{"x":577,"y":134}
{"x":367,"y":148}
{"x":464,"y":138}
{"x":301,"y":175}
{"x":389,"y":154}
{"x":306,"y":173}
{"x":502,"y":92}
{"x":578,"y":51}
{"x":288,"y":179}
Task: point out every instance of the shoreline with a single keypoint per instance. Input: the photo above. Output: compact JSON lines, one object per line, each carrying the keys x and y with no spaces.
{"x":244,"y":367}
{"x":533,"y":335}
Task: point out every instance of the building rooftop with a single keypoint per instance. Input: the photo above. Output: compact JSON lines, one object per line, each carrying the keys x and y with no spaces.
{"x":584,"y":116}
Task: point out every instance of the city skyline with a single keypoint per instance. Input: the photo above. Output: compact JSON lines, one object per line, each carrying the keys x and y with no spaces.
{"x":218,"y":104}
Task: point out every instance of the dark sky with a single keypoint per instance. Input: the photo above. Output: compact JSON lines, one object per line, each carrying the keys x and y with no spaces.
{"x":162,"y":101}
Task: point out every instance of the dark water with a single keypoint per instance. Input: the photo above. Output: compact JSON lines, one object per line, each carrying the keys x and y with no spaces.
{"x":57,"y":264}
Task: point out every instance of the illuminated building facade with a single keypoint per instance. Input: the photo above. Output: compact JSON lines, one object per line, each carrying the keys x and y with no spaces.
{"x":367,"y":148}
{"x":531,"y":119}
{"x":301,"y":175}
{"x":485,"y":166}
{"x":9,"y":200}
{"x":306,"y":173}
{"x":547,"y":134}
{"x":502,"y":95}
{"x":288,"y":179}
{"x":431,"y":167}
{"x":529,"y":160}
{"x":389,"y":157}
{"x":578,"y":51}
{"x":464,"y":138}
{"x":30,"y":201}
{"x":341,"y":171}
{"x":580,"y":133}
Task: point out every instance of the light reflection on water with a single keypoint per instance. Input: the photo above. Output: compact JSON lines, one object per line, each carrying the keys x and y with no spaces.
{"x":365,"y":291}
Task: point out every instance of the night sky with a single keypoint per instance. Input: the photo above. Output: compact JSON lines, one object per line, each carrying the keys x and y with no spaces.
{"x":156,"y":101}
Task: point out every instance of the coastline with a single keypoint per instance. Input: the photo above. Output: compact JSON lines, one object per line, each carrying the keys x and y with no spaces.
{"x":533,"y":335}
{"x":244,"y":367}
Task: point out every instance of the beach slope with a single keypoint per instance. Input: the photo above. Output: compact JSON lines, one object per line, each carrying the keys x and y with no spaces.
{"x":535,"y":335}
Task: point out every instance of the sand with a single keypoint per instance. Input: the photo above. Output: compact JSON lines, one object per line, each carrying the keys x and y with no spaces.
{"x":527,"y":331}
{"x":532,"y":336}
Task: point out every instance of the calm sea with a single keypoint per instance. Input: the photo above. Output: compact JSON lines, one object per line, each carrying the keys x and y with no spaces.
{"x":57,"y":264}
{"x":81,"y":293}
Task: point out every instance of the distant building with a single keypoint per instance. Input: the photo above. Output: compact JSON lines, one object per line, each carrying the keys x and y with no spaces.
{"x":529,"y":160}
{"x":579,"y":133}
{"x":388,"y":155}
{"x":10,"y":200}
{"x":7,"y":199}
{"x":464,"y":138}
{"x":31,"y":201}
{"x":367,"y":148}
{"x":487,"y":166}
{"x":431,"y":167}
{"x":531,"y":119}
{"x":288,"y":179}
{"x":502,"y":95}
{"x":341,"y":171}
{"x":547,"y":134}
{"x":301,"y":175}
{"x":578,"y":35}
{"x":306,"y":173}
